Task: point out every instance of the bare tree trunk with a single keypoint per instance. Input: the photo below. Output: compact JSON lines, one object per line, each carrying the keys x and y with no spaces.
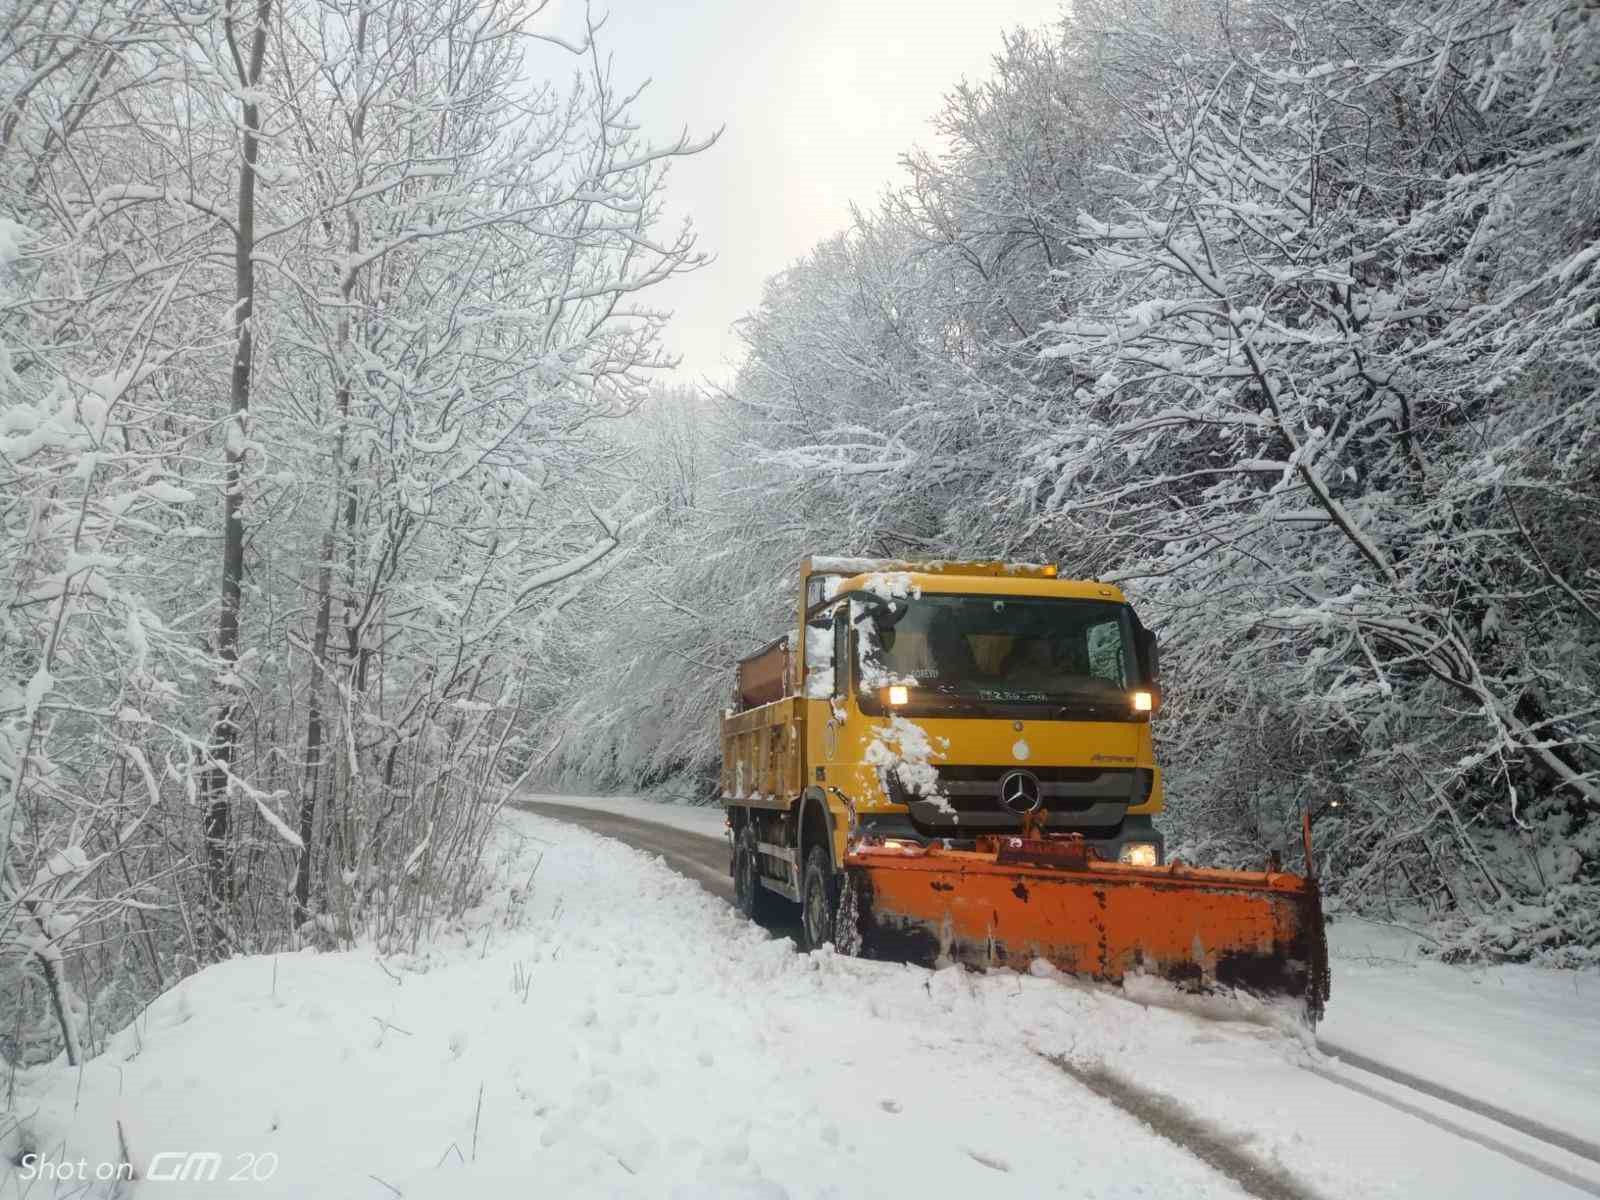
{"x":324,"y":620}
{"x":314,"y":735}
{"x":48,"y":957}
{"x":224,"y":726}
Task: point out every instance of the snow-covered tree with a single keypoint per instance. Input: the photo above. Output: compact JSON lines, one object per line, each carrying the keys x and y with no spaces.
{"x":1283,"y":314}
{"x":314,"y":318}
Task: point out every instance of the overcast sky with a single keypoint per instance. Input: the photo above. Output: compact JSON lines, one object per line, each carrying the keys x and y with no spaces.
{"x":819,"y":100}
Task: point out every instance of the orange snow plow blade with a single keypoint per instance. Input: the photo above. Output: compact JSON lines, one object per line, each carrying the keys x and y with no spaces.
{"x":1014,"y":900}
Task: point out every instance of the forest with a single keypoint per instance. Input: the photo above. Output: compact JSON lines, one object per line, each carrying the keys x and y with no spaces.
{"x":345,"y":485}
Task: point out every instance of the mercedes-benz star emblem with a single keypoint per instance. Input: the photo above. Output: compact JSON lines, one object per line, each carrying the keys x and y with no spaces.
{"x":1019,"y":791}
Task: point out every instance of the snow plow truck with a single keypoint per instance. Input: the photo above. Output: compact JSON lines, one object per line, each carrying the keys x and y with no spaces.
{"x":952,"y":763}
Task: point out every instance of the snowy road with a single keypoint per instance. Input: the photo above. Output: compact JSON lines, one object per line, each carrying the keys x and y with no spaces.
{"x":693,"y":844}
{"x":602,"y":1026}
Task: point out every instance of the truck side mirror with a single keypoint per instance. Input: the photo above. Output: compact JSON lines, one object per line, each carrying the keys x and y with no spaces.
{"x":885,"y":614}
{"x":1149,"y":656}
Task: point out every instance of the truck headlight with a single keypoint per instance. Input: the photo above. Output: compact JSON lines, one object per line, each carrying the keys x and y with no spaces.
{"x":1138,"y":854}
{"x":898,"y":694}
{"x":1143,"y":702}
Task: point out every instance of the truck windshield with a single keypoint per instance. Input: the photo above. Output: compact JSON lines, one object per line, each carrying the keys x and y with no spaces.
{"x":981,"y":653}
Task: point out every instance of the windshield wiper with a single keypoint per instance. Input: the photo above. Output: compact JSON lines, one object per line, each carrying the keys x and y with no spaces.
{"x":947,"y":703}
{"x":1066,"y":711}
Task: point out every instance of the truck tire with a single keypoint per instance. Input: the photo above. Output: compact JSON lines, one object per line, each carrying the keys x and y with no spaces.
{"x":749,"y":897}
{"x":819,"y":899}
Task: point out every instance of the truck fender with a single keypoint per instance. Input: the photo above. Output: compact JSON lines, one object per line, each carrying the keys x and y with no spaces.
{"x":813,"y":809}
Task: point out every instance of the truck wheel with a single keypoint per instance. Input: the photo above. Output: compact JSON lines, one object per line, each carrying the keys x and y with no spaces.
{"x":753,"y":900}
{"x":819,"y":899}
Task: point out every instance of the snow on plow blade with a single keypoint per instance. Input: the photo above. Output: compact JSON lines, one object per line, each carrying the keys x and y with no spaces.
{"x":1014,"y":900}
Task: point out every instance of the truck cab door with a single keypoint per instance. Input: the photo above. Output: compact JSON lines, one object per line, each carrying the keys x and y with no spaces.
{"x":826,"y":707}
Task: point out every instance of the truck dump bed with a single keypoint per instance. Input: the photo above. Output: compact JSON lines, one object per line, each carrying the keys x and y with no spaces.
{"x":761,"y":753}
{"x":761,"y":734}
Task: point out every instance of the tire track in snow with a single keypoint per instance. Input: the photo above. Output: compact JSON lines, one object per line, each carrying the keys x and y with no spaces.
{"x":1538,"y":1131}
{"x":1169,"y":1119}
{"x":1533,"y":1162}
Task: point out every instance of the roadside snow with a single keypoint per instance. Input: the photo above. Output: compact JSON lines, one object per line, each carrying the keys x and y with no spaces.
{"x":1524,"y":1038}
{"x":603,"y":1026}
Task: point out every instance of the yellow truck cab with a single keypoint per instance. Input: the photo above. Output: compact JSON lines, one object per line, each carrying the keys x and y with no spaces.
{"x":937,"y":703}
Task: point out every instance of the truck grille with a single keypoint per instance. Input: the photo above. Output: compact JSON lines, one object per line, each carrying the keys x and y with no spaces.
{"x":1078,"y":799}
{"x":977,"y":789}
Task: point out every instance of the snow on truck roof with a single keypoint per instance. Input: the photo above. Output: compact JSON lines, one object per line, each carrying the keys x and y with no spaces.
{"x":939,"y":575}
{"x":821,"y":564}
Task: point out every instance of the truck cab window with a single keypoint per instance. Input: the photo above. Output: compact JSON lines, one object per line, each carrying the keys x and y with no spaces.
{"x":1106,"y":657}
{"x":1050,"y":656}
{"x":819,"y":658}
